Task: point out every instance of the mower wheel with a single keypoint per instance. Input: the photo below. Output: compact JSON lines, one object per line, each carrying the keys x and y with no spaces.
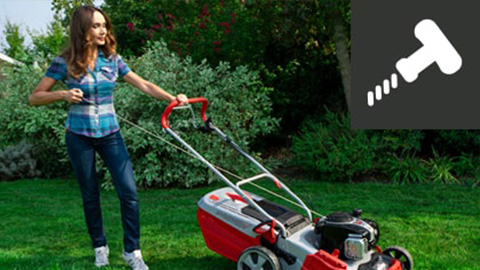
{"x":258,"y":258}
{"x":400,"y":254}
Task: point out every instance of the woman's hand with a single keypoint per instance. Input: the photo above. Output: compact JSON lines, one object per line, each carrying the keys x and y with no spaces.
{"x":182,"y":99}
{"x":42,"y":95}
{"x":74,"y":95}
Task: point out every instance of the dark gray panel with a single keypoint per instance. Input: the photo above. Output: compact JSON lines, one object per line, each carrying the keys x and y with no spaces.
{"x":382,"y":34}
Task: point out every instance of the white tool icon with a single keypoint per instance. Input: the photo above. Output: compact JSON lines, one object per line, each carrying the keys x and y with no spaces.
{"x":436,"y":49}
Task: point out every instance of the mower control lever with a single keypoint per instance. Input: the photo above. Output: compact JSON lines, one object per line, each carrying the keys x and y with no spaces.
{"x":208,"y":126}
{"x":173,"y":104}
{"x":269,"y":234}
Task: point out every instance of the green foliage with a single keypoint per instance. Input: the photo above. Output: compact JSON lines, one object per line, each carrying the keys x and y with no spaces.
{"x":441,"y":168}
{"x":398,"y":159}
{"x":330,"y":149}
{"x":399,"y":142}
{"x":456,"y":142}
{"x":18,"y":161}
{"x":63,"y":9}
{"x":225,"y":30}
{"x":407,"y":169}
{"x":333,"y":151}
{"x":15,"y":40}
{"x":239,"y":106}
{"x":467,"y":166}
{"x":304,"y":83}
{"x":212,"y":29}
{"x":40,"y":126}
{"x":289,"y":42}
{"x":50,"y":44}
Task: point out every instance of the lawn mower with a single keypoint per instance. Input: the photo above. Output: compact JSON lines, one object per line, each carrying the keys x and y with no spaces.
{"x":259,"y":234}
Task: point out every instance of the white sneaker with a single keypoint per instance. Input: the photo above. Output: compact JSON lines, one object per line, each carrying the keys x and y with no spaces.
{"x":135,"y":260}
{"x":101,"y":256}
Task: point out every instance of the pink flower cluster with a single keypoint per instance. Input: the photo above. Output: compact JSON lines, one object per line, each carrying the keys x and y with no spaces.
{"x":203,"y":17}
{"x":130,"y":26}
{"x":226,"y":25}
{"x":216,"y":43}
{"x":170,"y":22}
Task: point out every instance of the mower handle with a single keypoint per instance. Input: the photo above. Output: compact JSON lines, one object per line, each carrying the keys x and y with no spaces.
{"x":174,"y":103}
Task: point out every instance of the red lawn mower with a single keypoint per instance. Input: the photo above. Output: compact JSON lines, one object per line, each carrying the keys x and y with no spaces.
{"x":262,"y":235}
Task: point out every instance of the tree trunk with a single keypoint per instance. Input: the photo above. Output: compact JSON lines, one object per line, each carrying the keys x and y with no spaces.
{"x":343,"y":58}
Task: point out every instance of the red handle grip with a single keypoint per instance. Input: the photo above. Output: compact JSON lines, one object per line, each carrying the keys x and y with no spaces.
{"x":173,"y":104}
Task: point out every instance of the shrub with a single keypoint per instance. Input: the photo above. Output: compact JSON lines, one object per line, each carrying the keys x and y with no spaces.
{"x":332,"y":150}
{"x":466,"y":165}
{"x":329,"y":148}
{"x":17,"y":161}
{"x":407,"y":169}
{"x":40,"y":126}
{"x":441,"y":168}
{"x":456,"y":142}
{"x":239,"y":106}
{"x":398,"y":142}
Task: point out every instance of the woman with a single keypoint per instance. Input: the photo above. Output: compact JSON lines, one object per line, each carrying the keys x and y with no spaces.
{"x":89,"y":67}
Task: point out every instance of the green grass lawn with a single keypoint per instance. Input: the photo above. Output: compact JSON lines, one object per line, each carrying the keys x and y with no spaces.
{"x":42,"y":225}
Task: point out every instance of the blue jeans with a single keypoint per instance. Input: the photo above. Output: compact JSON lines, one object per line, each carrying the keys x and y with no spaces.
{"x":112,"y":150}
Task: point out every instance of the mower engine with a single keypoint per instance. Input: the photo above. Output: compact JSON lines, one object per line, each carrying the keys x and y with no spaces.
{"x":347,"y":233}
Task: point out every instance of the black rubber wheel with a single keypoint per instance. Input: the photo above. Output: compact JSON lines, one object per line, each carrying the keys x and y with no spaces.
{"x":258,"y":258}
{"x":400,"y":254}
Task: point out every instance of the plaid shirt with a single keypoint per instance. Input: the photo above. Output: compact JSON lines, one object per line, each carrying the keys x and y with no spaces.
{"x":95,"y":115}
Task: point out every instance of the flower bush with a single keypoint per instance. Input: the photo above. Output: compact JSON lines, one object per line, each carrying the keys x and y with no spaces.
{"x":215,"y":30}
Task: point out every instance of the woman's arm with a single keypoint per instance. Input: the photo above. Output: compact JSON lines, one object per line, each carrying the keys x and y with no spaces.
{"x":42,"y":94}
{"x":152,"y":89}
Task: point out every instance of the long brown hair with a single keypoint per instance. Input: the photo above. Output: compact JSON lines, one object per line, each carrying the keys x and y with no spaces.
{"x":80,"y":47}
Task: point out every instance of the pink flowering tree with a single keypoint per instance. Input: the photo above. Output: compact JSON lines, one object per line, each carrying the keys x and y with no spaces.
{"x":301,"y":47}
{"x":215,"y":29}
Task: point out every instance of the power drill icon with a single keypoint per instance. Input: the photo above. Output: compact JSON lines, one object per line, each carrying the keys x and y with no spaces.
{"x":436,"y":49}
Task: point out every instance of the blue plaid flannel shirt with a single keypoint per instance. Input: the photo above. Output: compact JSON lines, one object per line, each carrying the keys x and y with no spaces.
{"x":95,"y":115}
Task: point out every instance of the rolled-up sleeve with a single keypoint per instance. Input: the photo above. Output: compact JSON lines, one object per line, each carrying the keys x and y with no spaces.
{"x":58,"y":69}
{"x":123,"y":68}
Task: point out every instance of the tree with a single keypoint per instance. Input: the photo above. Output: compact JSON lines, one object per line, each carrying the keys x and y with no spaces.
{"x":51,"y":43}
{"x":338,"y":16}
{"x":15,"y":40}
{"x":64,"y":9}
{"x":324,"y":25}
